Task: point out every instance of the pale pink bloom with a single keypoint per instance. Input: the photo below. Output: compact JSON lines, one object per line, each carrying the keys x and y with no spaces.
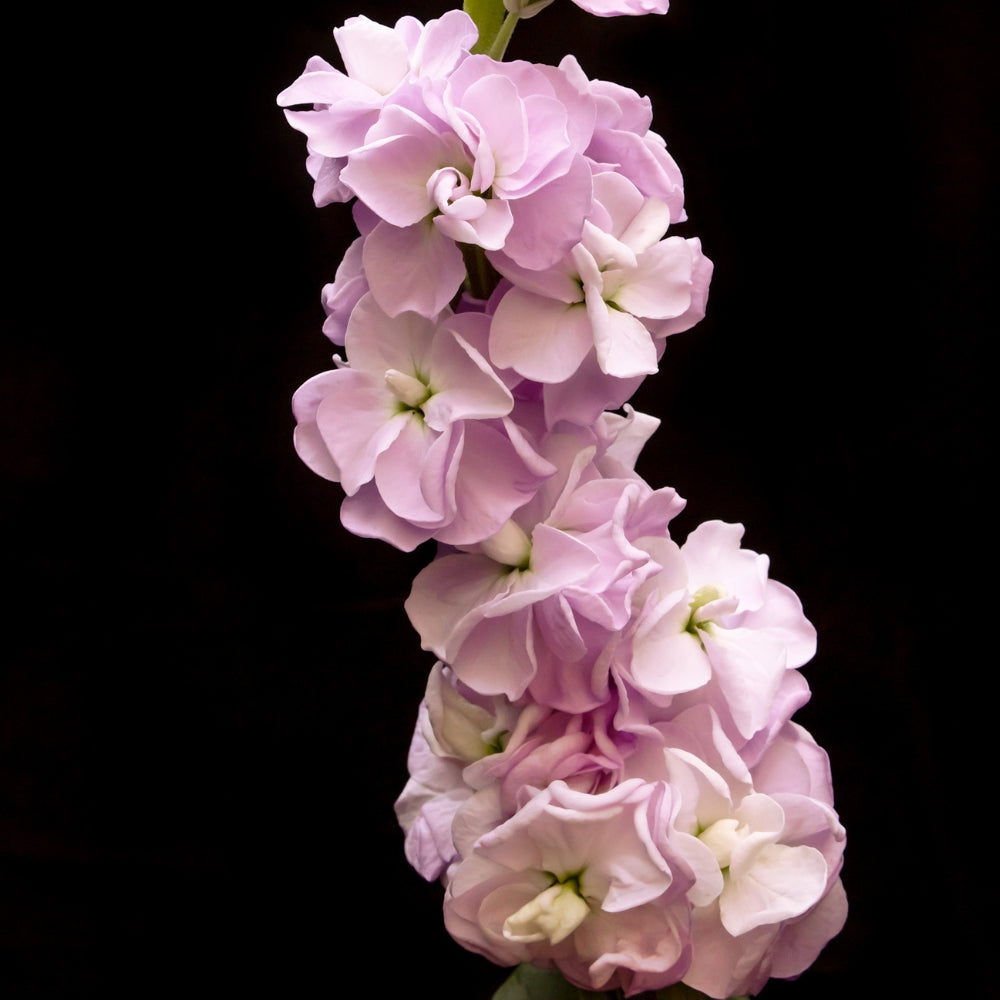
{"x":493,"y":158}
{"x":413,"y":430}
{"x":526,"y":127}
{"x":474,"y":758}
{"x":715,"y":625}
{"x":413,"y":175}
{"x":540,"y":608}
{"x":610,"y":295}
{"x":586,"y":884}
{"x":379,"y":61}
{"x":767,"y":896}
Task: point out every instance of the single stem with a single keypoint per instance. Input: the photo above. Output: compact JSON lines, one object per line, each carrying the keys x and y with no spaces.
{"x":488,"y":16}
{"x":494,"y":24}
{"x":482,"y":278}
{"x":499,"y":46}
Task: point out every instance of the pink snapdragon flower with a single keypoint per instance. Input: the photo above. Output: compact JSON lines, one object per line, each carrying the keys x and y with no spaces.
{"x":379,"y":61}
{"x":413,"y":429}
{"x":586,"y":884}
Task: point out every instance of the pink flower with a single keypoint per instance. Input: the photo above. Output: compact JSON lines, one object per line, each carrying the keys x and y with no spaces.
{"x":412,"y":428}
{"x":493,"y":157}
{"x":540,"y":609}
{"x":714,"y":625}
{"x":609,"y":296}
{"x":768,"y":895}
{"x":379,"y":61}
{"x":473,"y":759}
{"x":527,"y":127}
{"x":583,"y":883}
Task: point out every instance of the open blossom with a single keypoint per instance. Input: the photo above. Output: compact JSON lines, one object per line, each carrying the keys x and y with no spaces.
{"x":413,"y":430}
{"x":610,"y":295}
{"x":768,"y":895}
{"x":379,"y":61}
{"x":540,"y":607}
{"x":493,"y":157}
{"x":474,"y":759}
{"x":586,"y":884}
{"x":715,"y":628}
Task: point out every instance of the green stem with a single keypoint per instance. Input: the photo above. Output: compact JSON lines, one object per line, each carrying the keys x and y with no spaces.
{"x":495,"y":26}
{"x":499,"y":46}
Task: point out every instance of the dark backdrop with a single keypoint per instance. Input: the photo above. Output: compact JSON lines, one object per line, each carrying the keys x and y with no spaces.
{"x":208,"y":686}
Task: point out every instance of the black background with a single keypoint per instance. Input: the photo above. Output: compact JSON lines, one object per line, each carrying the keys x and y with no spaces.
{"x":208,"y":686}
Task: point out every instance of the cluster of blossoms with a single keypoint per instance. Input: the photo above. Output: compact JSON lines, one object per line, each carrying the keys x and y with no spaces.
{"x":605,"y":773}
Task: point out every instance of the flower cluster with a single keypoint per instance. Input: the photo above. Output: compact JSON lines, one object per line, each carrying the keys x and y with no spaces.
{"x":605,"y":773}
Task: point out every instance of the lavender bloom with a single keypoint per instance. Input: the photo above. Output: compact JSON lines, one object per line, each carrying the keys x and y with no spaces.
{"x":609,"y":296}
{"x":379,"y":61}
{"x":493,"y":157}
{"x":412,"y":428}
{"x":713,"y":625}
{"x":474,"y":759}
{"x":539,"y":609}
{"x":587,"y":884}
{"x":771,"y":897}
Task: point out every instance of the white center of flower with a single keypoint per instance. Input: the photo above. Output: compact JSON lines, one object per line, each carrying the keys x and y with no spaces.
{"x":551,"y":916}
{"x":701,"y":597}
{"x":509,"y":546}
{"x":721,"y":838}
{"x":408,"y":390}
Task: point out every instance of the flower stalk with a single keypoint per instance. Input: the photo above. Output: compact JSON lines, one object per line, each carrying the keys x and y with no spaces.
{"x":604,"y":770}
{"x":495,"y":26}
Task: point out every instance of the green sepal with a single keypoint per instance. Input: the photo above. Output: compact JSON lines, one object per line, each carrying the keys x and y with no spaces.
{"x":488,"y":15}
{"x":527,"y":982}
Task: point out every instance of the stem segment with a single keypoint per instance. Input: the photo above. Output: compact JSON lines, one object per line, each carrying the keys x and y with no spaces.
{"x":482,"y":278}
{"x":499,"y":46}
{"x":495,"y":26}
